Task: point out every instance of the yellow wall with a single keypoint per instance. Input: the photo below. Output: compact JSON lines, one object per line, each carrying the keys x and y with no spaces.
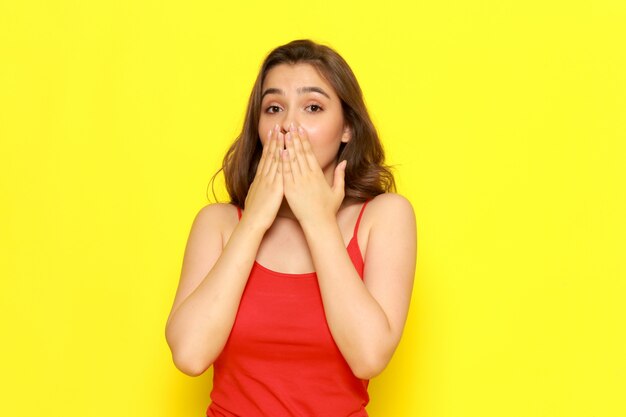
{"x":506,"y":120}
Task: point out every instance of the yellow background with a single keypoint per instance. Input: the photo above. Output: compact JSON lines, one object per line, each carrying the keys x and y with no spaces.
{"x":506,"y":120}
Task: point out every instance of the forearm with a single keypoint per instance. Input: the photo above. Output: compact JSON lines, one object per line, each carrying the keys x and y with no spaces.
{"x":198,"y":330}
{"x":356,"y":320}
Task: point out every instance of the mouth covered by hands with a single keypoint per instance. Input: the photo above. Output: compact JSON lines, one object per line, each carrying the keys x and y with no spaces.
{"x":293,"y":174}
{"x":305,"y":186}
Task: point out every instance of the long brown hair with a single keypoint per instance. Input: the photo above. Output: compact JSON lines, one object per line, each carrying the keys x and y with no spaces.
{"x":366,"y":174}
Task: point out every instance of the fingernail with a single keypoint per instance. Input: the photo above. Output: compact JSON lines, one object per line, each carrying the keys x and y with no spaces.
{"x":300,"y":130}
{"x":292,"y":128}
{"x":288,"y":136}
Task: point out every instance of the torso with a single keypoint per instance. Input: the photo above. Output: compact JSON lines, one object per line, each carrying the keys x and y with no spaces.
{"x":287,"y":233}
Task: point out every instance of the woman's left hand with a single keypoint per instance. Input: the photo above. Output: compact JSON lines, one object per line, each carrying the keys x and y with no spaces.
{"x":306,"y":189}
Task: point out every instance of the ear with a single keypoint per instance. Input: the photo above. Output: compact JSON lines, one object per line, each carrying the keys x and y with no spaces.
{"x":347,"y":134}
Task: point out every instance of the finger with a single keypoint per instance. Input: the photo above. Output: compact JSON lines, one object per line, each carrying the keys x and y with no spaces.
{"x":270,"y":156}
{"x":339,"y":178}
{"x":291,"y":156}
{"x":275,"y":158}
{"x":297,"y":145}
{"x":279,"y":173}
{"x":272,"y":159}
{"x":308,"y":150}
{"x":261,"y":165}
{"x":286,"y":167}
{"x":281,"y":149}
{"x":280,"y":137}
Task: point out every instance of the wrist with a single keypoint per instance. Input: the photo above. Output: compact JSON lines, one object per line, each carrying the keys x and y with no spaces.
{"x":251,"y":226}
{"x":322,"y":221}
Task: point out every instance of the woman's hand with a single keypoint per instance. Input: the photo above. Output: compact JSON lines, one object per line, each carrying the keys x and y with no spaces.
{"x":306,"y":189}
{"x":266,"y":191}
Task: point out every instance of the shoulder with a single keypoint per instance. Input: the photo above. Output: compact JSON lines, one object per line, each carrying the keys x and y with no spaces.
{"x":216,"y":212}
{"x":389,"y":216}
{"x":390,"y":207}
{"x":216,"y":216}
{"x":391,"y":199}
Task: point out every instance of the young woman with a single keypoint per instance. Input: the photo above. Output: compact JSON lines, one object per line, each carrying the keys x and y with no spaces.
{"x":294,"y":291}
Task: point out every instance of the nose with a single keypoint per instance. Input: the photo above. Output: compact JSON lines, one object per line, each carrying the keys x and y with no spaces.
{"x":287,"y":120}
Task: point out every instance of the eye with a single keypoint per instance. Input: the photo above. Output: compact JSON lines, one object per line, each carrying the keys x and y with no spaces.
{"x":315,"y":108}
{"x":272,"y":109}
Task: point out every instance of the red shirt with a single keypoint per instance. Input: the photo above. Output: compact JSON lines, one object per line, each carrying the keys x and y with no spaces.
{"x":280,"y":359}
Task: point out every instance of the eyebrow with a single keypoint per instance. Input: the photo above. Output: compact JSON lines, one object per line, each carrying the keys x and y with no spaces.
{"x":301,"y":90}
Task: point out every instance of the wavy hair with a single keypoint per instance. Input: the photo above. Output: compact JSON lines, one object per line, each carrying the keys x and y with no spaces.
{"x":366,"y":174}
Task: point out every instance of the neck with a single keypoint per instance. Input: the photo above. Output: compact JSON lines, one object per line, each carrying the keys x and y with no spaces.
{"x":285,"y":211}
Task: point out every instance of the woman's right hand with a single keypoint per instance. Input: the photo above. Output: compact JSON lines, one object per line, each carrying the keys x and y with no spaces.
{"x":266,"y":191}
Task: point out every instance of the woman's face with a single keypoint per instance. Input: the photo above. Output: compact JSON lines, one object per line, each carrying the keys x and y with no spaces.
{"x":297,"y":93}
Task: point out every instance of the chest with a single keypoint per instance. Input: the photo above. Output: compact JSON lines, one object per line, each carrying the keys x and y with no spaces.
{"x":281,"y":318}
{"x":284,"y":248}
